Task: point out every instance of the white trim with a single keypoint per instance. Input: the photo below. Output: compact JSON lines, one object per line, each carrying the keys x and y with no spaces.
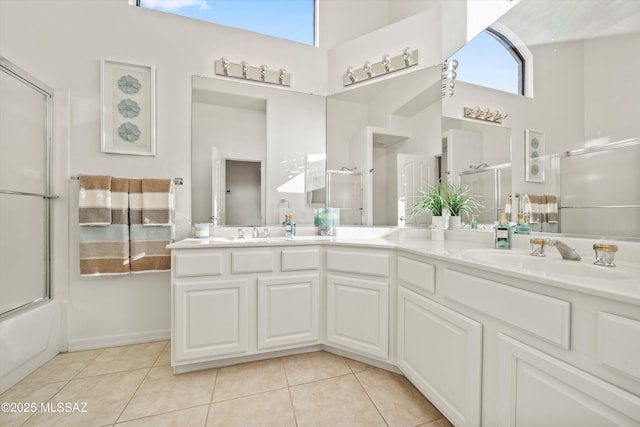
{"x":523,"y":50}
{"x":118,"y":340}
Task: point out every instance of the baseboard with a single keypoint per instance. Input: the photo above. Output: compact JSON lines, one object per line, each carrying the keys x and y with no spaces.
{"x":118,"y":340}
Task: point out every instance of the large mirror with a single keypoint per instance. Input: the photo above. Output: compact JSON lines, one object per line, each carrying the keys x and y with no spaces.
{"x":256,"y":152}
{"x":386,"y":135}
{"x":582,"y":93}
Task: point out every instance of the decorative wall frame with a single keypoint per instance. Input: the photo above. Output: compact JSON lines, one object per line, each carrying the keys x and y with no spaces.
{"x":128,"y":108}
{"x":534,"y":156}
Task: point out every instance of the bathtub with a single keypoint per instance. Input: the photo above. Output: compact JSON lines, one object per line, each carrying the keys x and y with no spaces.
{"x":27,"y":341}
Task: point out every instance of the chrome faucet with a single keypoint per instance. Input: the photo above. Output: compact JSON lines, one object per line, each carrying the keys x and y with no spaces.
{"x":256,"y":233}
{"x":566,"y":251}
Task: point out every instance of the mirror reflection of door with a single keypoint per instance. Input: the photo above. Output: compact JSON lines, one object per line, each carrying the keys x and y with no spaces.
{"x":218,"y":187}
{"x":413,"y":177}
{"x":243,"y":192}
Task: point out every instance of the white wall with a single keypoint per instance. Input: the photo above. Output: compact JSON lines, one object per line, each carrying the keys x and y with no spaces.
{"x":62,"y":42}
{"x":611,"y":112}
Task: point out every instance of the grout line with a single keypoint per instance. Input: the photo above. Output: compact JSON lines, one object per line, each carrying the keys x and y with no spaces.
{"x":293,"y":408}
{"x":371,"y":399}
{"x":160,"y":354}
{"x":133,"y":394}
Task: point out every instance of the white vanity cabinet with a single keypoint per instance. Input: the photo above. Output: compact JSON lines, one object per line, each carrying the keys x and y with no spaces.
{"x":544,"y":361}
{"x":243,"y":300}
{"x":439,"y":349}
{"x":357,"y":300}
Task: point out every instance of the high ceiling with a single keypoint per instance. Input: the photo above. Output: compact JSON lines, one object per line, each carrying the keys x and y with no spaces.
{"x":546,"y":21}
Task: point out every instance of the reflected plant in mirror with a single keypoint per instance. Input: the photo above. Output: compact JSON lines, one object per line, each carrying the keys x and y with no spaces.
{"x":460,"y":200}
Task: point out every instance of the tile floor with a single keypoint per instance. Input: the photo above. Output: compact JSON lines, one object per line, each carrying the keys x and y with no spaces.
{"x":134,"y":386}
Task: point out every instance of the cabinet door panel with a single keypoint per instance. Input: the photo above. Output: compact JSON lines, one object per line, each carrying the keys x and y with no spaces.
{"x":210,"y":318}
{"x":288,"y":310}
{"x":536,"y":389}
{"x":358,"y":315}
{"x":440,"y":351}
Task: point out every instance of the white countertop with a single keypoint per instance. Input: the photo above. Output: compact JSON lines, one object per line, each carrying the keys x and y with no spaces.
{"x":472,"y":250}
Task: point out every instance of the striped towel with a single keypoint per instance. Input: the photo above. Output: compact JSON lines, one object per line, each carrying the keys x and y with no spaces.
{"x":148,"y":241}
{"x":94,"y":200}
{"x":157,"y":202}
{"x":552,"y":209}
{"x":104,"y":250}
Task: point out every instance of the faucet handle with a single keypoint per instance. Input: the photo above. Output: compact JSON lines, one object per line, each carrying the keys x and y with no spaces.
{"x":605,"y":254}
{"x":240,"y":233}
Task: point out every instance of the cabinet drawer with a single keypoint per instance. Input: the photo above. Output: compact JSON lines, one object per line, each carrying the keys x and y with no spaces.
{"x":251,"y":261}
{"x":419,"y":275}
{"x":295,"y":260}
{"x":202,"y":264}
{"x":619,"y":343}
{"x":358,"y":262}
{"x":546,"y":317}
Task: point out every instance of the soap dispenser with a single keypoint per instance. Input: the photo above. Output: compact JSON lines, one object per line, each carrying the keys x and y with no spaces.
{"x":289,"y":226}
{"x":522,"y":227}
{"x":502,"y":233}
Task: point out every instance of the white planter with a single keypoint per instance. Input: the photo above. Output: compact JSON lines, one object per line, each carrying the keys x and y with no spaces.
{"x":437,"y":228}
{"x":455,"y":223}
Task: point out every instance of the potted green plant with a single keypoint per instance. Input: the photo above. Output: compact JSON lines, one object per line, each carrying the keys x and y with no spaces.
{"x":459,"y":200}
{"x":432,"y":201}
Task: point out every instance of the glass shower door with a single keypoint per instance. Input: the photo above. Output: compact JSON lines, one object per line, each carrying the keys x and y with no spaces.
{"x":25,"y":134}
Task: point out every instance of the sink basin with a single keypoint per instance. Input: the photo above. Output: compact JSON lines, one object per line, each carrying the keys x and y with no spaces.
{"x":275,"y":239}
{"x":233,"y":239}
{"x":555,"y":268}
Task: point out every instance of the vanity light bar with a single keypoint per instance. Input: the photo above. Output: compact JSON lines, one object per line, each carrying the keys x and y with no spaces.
{"x":484,"y":114}
{"x":244,"y":71}
{"x":408,"y":58}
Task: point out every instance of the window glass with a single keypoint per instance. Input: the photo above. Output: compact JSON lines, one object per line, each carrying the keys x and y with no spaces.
{"x":490,"y":60}
{"x":287,"y":19}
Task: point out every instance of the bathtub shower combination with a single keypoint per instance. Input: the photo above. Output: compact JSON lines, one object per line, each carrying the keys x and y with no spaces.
{"x":29,"y":319}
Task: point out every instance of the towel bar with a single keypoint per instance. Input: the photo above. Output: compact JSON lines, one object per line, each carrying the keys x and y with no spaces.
{"x":176,"y":181}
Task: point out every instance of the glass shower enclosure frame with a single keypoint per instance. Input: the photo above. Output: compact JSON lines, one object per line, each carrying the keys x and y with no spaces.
{"x":26,"y":128}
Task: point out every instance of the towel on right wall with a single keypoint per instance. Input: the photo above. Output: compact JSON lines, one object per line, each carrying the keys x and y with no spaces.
{"x":151,"y":210}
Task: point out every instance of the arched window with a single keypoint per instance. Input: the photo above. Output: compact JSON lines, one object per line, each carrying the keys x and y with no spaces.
{"x":291,"y":20}
{"x":491,"y":60}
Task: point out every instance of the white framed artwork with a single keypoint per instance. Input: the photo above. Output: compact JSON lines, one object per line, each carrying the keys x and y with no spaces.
{"x":534,"y":156}
{"x":128,"y":108}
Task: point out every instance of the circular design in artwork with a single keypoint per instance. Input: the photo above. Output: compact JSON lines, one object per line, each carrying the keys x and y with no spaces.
{"x":534,"y":169}
{"x":128,"y":108}
{"x":535,"y":143}
{"x":129,"y":84}
{"x":128,"y":132}
{"x":534,"y":155}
